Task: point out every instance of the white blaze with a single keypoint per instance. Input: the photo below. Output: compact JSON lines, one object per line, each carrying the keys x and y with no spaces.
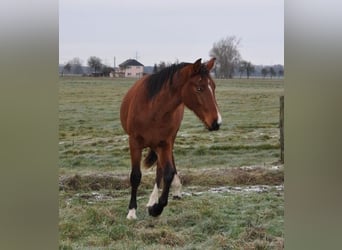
{"x":219,"y":117}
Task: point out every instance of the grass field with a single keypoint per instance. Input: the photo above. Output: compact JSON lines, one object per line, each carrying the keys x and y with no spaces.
{"x":242,"y":157}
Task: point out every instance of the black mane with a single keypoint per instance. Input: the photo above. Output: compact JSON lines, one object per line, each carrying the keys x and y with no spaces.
{"x":156,"y":81}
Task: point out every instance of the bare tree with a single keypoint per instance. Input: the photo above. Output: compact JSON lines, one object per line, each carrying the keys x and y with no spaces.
{"x":242,"y":68}
{"x":95,"y":63}
{"x":73,"y":66}
{"x":272,"y":72}
{"x":162,"y":65}
{"x":227,"y":56}
{"x":280,"y":72}
{"x":155,"y":68}
{"x":75,"y":61}
{"x":264,"y":72}
{"x":249,"y":69}
{"x":67,"y":68}
{"x":76,"y":65}
{"x":246,"y":66}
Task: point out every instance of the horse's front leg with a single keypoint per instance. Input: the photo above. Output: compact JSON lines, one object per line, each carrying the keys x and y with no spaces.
{"x":135,"y":178}
{"x":168,"y":171}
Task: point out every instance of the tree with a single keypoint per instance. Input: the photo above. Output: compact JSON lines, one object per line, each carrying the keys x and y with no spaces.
{"x":227,"y":56}
{"x":73,"y":66}
{"x":155,"y":68}
{"x":161,"y":65}
{"x":95,"y":63}
{"x":249,"y":69}
{"x":76,"y":65}
{"x":106,"y":70}
{"x":264,"y":72}
{"x":242,"y":68}
{"x":280,"y":72}
{"x":67,"y":67}
{"x":246,"y":66}
{"x":272,"y":72}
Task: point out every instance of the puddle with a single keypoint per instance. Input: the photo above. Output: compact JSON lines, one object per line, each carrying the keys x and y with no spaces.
{"x":238,"y":190}
{"x":253,"y":167}
{"x":91,"y":198}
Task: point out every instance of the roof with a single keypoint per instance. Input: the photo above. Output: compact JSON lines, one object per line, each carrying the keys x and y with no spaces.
{"x":130,"y":62}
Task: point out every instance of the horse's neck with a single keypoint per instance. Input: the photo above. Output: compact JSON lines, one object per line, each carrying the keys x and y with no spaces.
{"x":168,"y":101}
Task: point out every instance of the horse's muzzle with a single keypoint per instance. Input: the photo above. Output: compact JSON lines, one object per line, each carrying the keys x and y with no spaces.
{"x":214,"y":126}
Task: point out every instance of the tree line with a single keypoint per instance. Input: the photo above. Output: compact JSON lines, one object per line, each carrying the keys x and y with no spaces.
{"x":95,"y":63}
{"x":229,"y":62}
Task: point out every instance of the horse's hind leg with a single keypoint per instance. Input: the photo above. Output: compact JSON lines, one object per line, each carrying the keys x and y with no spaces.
{"x":176,"y":183}
{"x":169,"y":171}
{"x":177,"y":186}
{"x":154,"y":195}
{"x":135,"y":179}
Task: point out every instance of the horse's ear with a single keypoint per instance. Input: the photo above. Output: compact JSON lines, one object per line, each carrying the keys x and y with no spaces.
{"x":210,"y":64}
{"x":196,"y":66}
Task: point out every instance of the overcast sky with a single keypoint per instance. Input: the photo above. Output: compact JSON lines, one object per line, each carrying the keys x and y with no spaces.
{"x":169,"y":30}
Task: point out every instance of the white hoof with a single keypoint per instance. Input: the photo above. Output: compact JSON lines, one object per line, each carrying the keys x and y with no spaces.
{"x":131,"y":214}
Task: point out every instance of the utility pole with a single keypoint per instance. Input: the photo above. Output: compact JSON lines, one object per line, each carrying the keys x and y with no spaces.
{"x":114,"y":62}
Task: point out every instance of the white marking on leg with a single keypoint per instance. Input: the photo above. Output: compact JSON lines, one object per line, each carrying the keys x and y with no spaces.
{"x":176,"y":185}
{"x":131,"y":214}
{"x":153,"y":197}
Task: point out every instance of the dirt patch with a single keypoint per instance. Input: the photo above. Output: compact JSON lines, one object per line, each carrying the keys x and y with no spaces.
{"x":234,"y":176}
{"x":207,"y":178}
{"x":93,"y":182}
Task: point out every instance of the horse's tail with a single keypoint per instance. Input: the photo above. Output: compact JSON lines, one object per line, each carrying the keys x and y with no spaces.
{"x":150,"y":159}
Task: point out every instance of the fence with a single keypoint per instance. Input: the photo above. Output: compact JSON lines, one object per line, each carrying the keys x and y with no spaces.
{"x":281,"y":128}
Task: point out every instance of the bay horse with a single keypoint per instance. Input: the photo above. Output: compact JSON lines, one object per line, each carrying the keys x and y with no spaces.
{"x":151,"y":113}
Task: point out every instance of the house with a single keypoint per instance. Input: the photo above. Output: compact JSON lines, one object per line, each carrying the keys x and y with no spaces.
{"x":131,"y":68}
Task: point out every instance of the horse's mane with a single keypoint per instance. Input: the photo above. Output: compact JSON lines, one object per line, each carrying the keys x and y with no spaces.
{"x":156,"y":81}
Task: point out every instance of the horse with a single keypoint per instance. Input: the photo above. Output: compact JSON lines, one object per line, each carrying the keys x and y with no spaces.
{"x":151,"y":113}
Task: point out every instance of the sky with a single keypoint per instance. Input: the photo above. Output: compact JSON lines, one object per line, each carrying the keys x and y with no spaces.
{"x":152,"y":31}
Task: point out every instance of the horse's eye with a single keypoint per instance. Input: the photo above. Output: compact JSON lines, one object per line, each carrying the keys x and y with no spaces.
{"x":199,"y":89}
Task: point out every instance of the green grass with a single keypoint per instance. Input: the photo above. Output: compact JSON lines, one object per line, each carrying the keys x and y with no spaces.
{"x":208,"y":221}
{"x":94,"y":166}
{"x":91,"y":137}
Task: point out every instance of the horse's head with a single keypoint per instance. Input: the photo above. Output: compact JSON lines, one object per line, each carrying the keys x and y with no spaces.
{"x":198,"y":94}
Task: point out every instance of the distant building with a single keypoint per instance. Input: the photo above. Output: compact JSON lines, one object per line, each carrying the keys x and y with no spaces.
{"x":131,"y":68}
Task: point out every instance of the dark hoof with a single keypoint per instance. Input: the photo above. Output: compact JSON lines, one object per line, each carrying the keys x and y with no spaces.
{"x":155,"y":210}
{"x":176,"y":197}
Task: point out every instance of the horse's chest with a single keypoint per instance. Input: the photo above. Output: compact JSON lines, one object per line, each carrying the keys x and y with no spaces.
{"x":164,"y":128}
